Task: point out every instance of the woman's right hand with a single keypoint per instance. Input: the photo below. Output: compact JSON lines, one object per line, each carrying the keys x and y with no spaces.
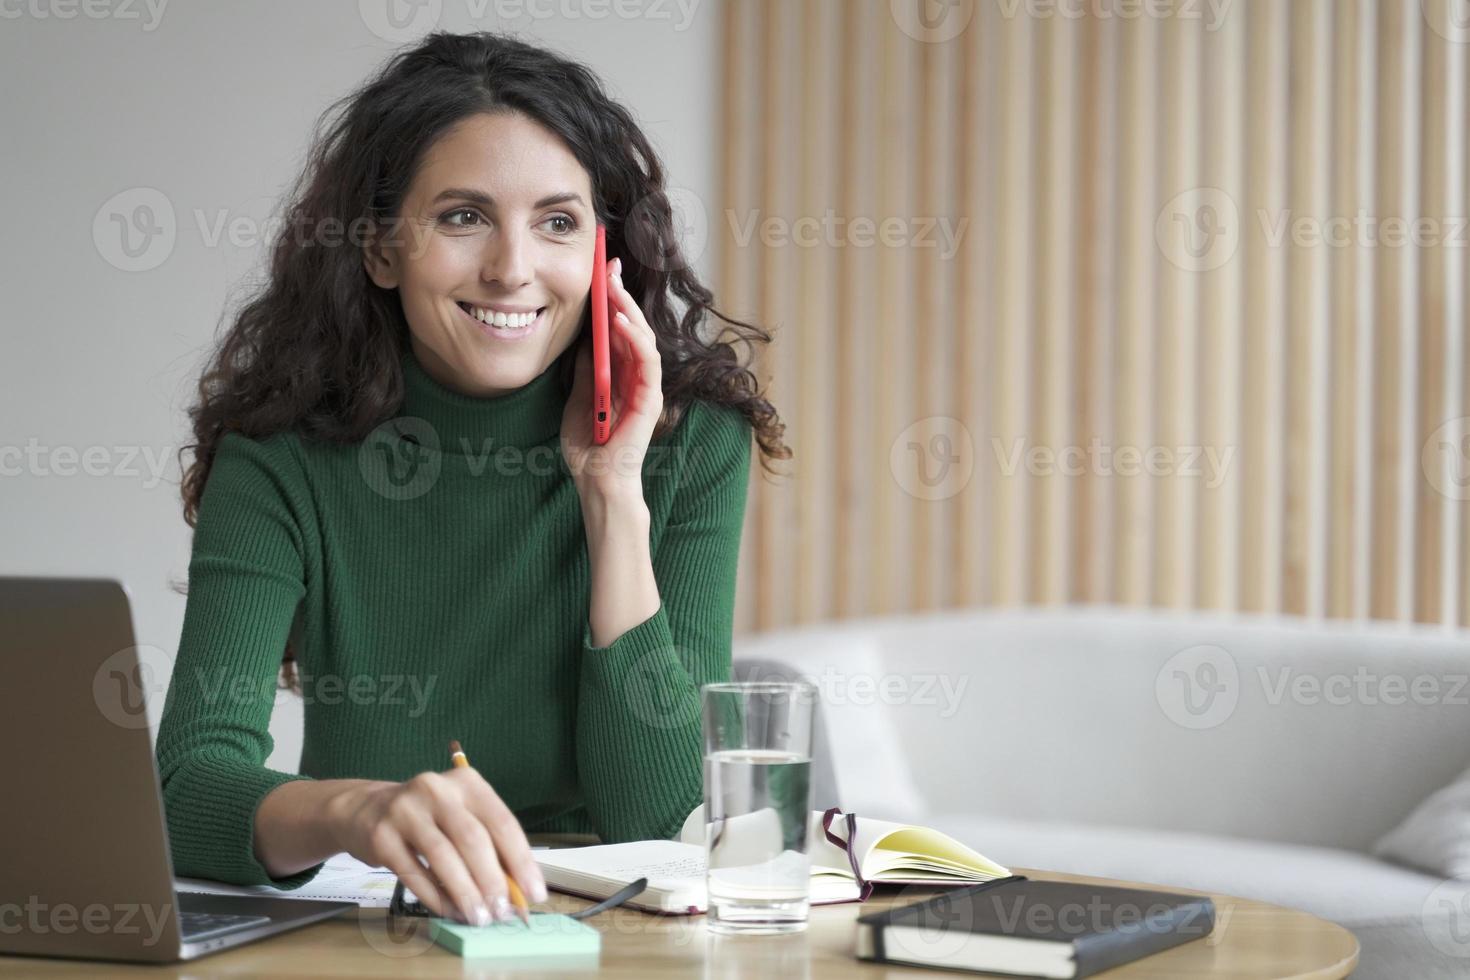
{"x":460,"y":826}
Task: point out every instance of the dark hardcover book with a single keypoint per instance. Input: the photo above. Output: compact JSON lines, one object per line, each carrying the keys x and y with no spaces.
{"x":1027,"y":928}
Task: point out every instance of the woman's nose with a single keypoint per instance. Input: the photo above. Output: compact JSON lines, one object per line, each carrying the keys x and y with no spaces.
{"x":508,"y":260}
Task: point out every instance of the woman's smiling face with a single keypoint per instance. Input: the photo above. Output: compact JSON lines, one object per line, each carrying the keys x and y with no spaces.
{"x":498,"y":218}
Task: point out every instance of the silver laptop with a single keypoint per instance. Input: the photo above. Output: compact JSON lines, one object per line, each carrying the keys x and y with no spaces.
{"x":85,"y":869}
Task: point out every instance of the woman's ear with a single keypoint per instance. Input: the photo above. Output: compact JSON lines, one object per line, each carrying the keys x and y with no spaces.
{"x":381,"y":262}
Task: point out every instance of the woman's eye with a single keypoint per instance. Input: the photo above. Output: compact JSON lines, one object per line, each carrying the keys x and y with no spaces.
{"x":567,"y":226}
{"x":450,"y":217}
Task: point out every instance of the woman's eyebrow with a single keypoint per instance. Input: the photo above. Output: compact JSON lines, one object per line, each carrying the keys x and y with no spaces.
{"x":480,"y":197}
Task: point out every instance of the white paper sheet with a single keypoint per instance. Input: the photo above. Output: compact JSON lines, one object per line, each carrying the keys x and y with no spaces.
{"x":342,"y":879}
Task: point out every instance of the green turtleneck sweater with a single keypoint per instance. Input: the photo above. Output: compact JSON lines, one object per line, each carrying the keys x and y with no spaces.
{"x":433,"y":584}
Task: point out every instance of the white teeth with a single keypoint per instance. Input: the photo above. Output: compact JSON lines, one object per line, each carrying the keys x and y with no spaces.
{"x":508,"y":321}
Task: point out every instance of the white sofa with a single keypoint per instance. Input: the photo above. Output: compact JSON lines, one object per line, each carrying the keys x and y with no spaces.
{"x":1086,"y":739}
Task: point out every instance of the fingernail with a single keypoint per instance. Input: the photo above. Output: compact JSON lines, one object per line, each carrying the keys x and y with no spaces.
{"x":538,"y":891}
{"x":617,"y":265}
{"x":480,"y":915}
{"x":503,"y":911}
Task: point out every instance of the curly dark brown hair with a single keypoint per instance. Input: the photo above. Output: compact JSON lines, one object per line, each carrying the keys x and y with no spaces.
{"x":317,"y":348}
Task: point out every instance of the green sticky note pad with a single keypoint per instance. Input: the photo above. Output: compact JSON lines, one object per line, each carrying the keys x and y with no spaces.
{"x":546,"y":934}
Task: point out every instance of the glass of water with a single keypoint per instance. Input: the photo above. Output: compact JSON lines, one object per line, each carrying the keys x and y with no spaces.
{"x":757,"y":805}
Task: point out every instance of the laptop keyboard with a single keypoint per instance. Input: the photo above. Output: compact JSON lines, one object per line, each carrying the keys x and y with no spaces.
{"x":205,"y":925}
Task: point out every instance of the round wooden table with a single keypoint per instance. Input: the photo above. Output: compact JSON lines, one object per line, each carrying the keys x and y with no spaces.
{"x":1250,"y":939}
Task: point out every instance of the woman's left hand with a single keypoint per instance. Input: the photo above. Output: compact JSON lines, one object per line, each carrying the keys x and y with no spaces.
{"x":616,"y":467}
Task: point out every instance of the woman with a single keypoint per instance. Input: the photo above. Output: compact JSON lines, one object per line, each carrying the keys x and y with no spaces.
{"x":401,"y":491}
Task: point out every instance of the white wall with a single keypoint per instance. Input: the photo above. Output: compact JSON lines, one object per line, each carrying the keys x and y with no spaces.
{"x":210,"y":105}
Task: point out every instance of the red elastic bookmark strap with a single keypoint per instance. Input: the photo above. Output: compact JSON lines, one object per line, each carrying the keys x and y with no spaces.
{"x":851,"y":821}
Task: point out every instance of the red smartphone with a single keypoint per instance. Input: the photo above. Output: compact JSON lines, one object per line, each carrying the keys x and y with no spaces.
{"x":601,"y":357}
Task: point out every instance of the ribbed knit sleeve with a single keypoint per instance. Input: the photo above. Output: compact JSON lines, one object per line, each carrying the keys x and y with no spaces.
{"x":246,"y":577}
{"x":638,"y":715}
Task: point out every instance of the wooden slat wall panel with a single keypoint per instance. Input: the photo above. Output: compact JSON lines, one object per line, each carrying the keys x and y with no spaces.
{"x":976,"y":174}
{"x":1261,"y":452}
{"x":736,"y":286}
{"x":1460,"y":165}
{"x":1222,"y":165}
{"x":1408,"y":205}
{"x":1393,"y":329}
{"x":815,"y":335}
{"x":1429,"y":523}
{"x":933,"y":313}
{"x":1053,"y":384}
{"x":1366,"y":306}
{"x":1351,"y":314}
{"x":1175,"y":406}
{"x":1304,"y":482}
{"x":1138,"y":264}
{"x":1097,"y":300}
{"x":893,"y":379}
{"x":1443,"y":313}
{"x":851,"y":420}
{"x":1068,"y":321}
{"x":778,"y":167}
{"x":1011,"y":358}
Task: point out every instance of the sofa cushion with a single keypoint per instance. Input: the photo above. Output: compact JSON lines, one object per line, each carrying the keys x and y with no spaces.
{"x":1090,"y":715}
{"x":1436,"y":836}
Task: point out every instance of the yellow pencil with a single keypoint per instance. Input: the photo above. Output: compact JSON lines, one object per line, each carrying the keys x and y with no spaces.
{"x":517,"y":899}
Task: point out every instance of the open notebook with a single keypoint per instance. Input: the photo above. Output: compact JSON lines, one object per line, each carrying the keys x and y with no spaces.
{"x":885,"y":853}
